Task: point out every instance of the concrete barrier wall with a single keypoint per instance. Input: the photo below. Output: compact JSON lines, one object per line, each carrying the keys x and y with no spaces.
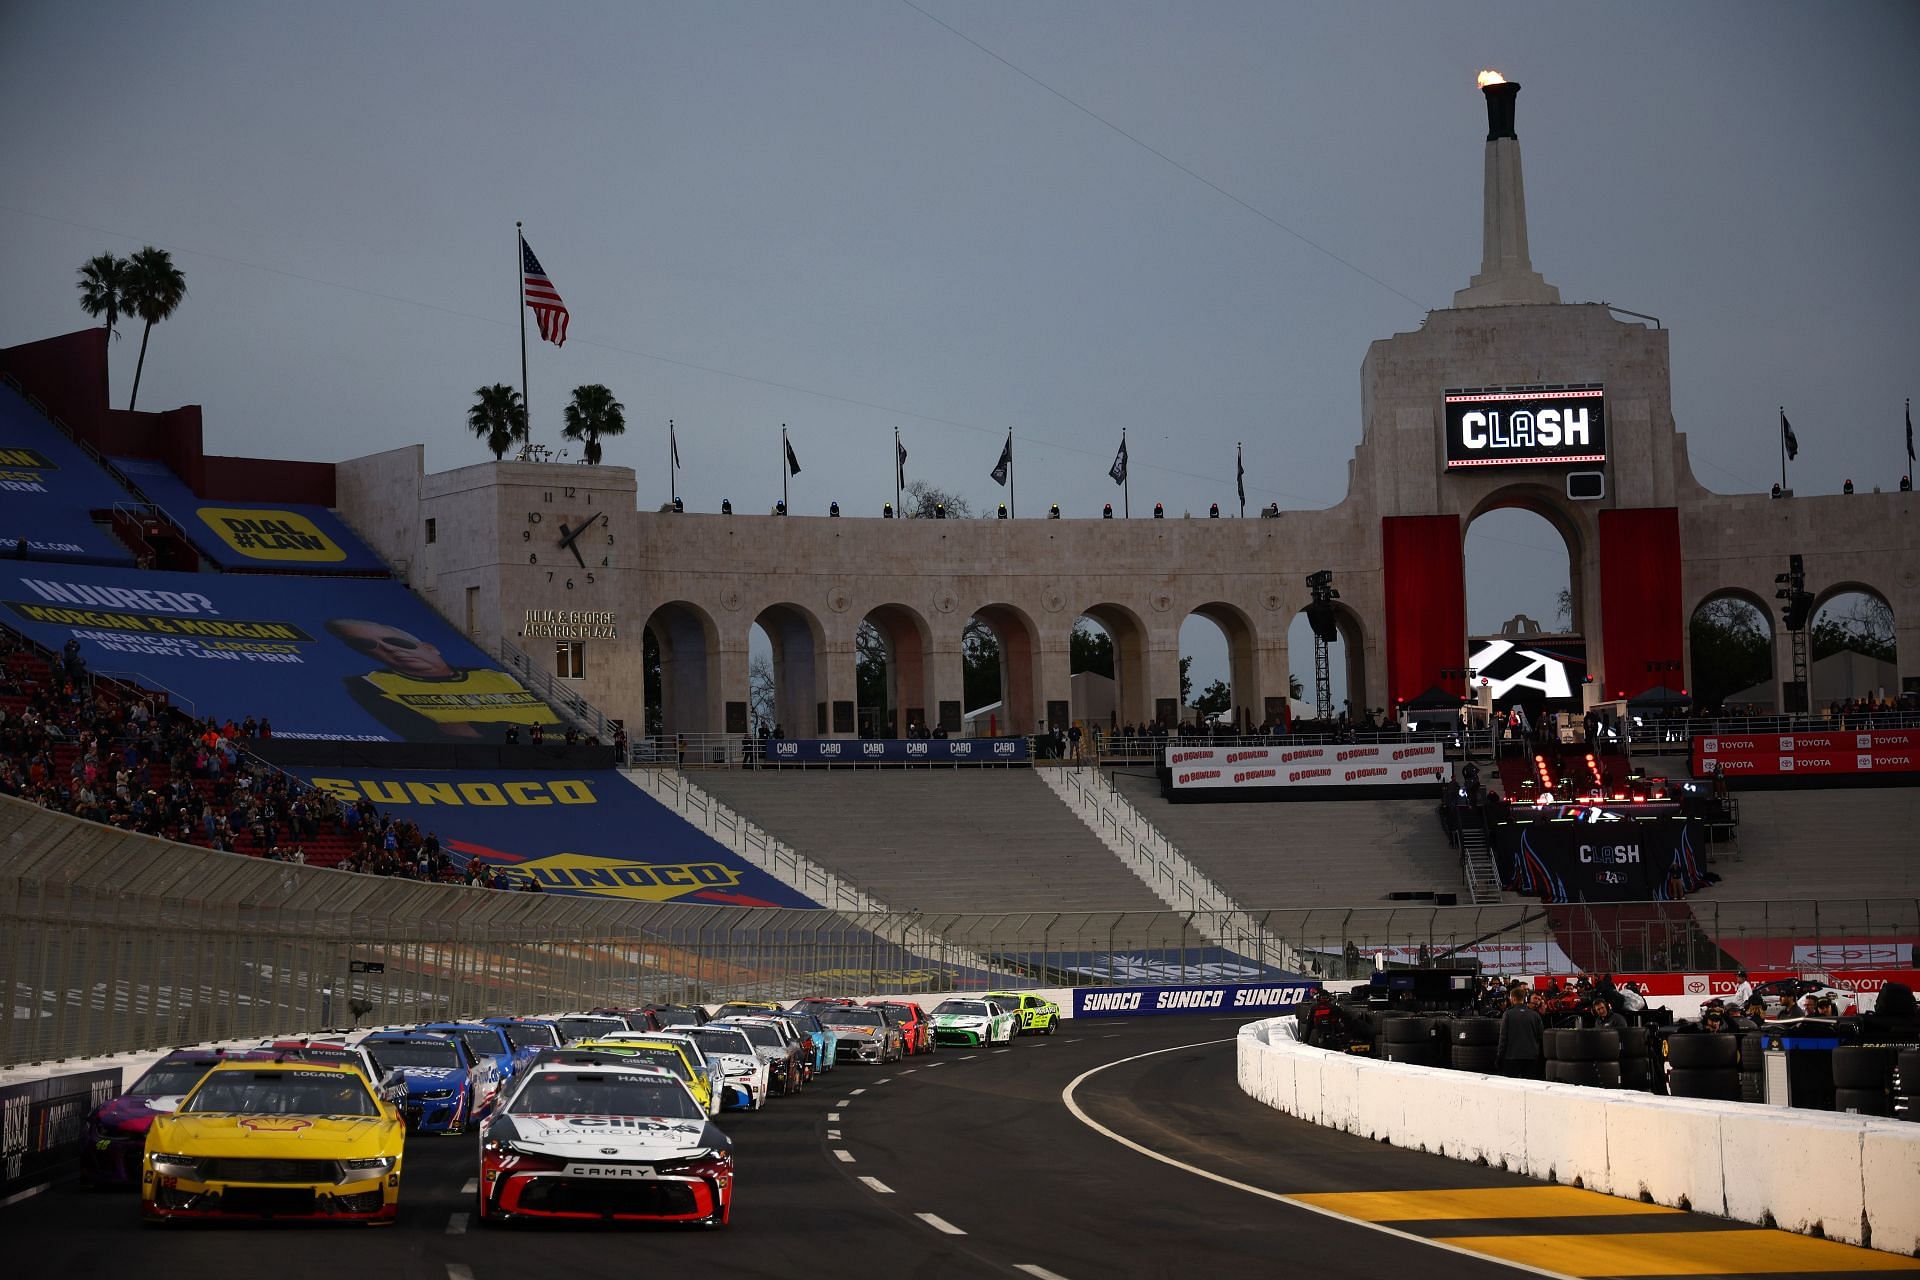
{"x":1851,"y":1178}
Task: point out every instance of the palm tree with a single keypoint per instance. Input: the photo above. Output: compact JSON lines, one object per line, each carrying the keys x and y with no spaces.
{"x":153,"y":291}
{"x":593,"y":413}
{"x":103,"y":289}
{"x":498,"y":417}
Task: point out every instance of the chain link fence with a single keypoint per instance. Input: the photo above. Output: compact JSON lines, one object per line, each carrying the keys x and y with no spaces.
{"x":111,"y":941}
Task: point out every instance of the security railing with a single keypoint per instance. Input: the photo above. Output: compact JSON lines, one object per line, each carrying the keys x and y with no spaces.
{"x":112,"y":941}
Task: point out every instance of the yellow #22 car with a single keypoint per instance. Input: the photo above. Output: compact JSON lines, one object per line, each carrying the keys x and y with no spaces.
{"x":299,"y":1141}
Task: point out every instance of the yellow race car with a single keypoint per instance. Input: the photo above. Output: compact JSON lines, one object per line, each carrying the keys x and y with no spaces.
{"x":300,"y":1141}
{"x":643,"y":1050}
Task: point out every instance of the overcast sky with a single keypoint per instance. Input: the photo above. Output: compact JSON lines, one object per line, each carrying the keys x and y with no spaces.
{"x":1184,"y":219}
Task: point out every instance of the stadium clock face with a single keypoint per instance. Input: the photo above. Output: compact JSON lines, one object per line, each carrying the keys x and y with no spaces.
{"x":583,"y":544}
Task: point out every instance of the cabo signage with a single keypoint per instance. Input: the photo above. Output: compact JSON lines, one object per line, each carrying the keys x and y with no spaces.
{"x":1494,"y":427}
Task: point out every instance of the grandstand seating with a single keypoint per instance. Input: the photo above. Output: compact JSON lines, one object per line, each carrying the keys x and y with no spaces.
{"x":938,"y":841}
{"x":50,"y":492}
{"x":1305,"y":853}
{"x":1853,"y":843}
{"x":282,"y":537}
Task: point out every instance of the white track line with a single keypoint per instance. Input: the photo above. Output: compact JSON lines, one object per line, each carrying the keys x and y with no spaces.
{"x":457,"y":1225}
{"x":1002,"y":1051}
{"x":833,"y":1135}
{"x":834,"y":1115}
{"x":874,"y":1184}
{"x":1066,"y":1096}
{"x":970,"y":1057}
{"x":459,"y":1271}
{"x":854,"y":1093}
{"x":888,"y":1080}
{"x":473,"y":1185}
{"x":910,"y":1070}
{"x":844,"y":1102}
{"x":932,"y":1065}
{"x":1038,"y":1272}
{"x":842,"y":1155}
{"x":939,"y":1223}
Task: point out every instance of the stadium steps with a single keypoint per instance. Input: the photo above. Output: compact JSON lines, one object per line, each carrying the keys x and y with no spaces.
{"x":1483,"y":877}
{"x":1305,"y":853}
{"x":934,"y":841}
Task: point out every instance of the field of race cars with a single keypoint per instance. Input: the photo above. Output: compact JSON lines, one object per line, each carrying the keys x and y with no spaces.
{"x":602,"y":1116}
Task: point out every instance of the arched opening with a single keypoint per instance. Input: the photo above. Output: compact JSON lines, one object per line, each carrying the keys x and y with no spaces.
{"x":1522,"y":559}
{"x":1346,"y":670}
{"x":783,"y":655}
{"x":997,"y":651}
{"x":1730,"y":654}
{"x":1218,"y":679}
{"x":1110,"y":643}
{"x":1851,"y":647}
{"x":890,"y":673}
{"x":677,"y":648}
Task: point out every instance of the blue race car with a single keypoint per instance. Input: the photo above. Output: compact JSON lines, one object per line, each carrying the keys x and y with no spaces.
{"x":483,"y":1040}
{"x":448,"y":1085}
{"x":818,"y":1037}
{"x":116,"y":1136}
{"x":528,"y":1036}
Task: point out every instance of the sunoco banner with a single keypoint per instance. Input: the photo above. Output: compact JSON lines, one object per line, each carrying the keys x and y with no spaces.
{"x":1409,"y":764}
{"x":1789,"y":755}
{"x":1256,"y":1001}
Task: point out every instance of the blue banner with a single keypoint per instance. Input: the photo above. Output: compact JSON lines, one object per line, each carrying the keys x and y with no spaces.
{"x":591,"y":834}
{"x":358,"y":660}
{"x":49,"y":489}
{"x":287,"y":535}
{"x":1264,"y":1001}
{"x":893,"y":751}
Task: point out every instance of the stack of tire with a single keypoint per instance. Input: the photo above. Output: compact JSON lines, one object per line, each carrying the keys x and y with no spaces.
{"x":1863,"y":1079}
{"x":1753,"y":1057}
{"x":1906,"y":1085}
{"x":1705,"y":1064}
{"x":1636,"y":1060}
{"x":1584,"y":1055}
{"x":1472,"y":1045}
{"x":1415,"y":1039}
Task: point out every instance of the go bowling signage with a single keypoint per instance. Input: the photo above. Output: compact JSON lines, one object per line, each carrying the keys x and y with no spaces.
{"x":1491,"y":427}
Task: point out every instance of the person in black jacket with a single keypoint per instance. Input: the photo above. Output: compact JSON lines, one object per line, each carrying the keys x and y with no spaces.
{"x":1523,"y":1034}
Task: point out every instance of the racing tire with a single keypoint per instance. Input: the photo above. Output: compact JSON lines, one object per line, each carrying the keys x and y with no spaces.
{"x":1474,"y":1032}
{"x":1906,"y":1106}
{"x":1550,"y":1043}
{"x":1419,"y":1053}
{"x":1636,"y":1074}
{"x":1589,"y":1044}
{"x":1722,"y":1083}
{"x":1593,"y":1074}
{"x":1865,"y":1102}
{"x":1753,"y":1086}
{"x":1703,"y":1051}
{"x":1753,"y":1051}
{"x":1862,"y":1067}
{"x":1406,"y":1029}
{"x":1906,"y":1071}
{"x":1633,"y":1043}
{"x":1474,"y":1057}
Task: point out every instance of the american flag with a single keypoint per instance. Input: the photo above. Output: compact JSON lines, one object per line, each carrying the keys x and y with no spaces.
{"x":543,"y":297}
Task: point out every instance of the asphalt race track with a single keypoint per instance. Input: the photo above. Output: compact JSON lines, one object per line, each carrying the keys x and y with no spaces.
{"x":970,"y":1163}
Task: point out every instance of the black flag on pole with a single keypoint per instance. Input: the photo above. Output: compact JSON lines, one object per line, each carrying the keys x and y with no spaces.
{"x":1240,"y":478}
{"x":793,"y":463}
{"x":1002,"y":467}
{"x":1119,"y":468}
{"x":673,"y":443}
{"x":1909,"y":437}
{"x":1786,"y":434}
{"x":899,"y":464}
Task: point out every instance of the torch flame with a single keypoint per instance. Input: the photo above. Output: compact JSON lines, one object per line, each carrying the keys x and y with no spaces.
{"x":1486,"y":78}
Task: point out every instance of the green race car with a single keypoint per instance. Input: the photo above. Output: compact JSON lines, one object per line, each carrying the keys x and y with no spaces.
{"x":1031,"y":1014}
{"x":973,"y":1023}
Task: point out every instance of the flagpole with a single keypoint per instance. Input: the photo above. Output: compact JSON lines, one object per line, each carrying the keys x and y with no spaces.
{"x":1240,"y":474}
{"x":896,"y":473}
{"x":673,"y":465}
{"x":1126,"y":481}
{"x":520,"y":274}
{"x":1013,"y":508}
{"x":783,"y":466}
{"x":1783,"y":450}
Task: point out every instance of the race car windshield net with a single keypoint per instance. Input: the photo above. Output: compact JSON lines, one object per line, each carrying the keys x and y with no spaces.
{"x":531,"y":1037}
{"x":722,"y":1040}
{"x":587,"y":1028}
{"x":677,"y":1017}
{"x":569,"y":1093}
{"x":855,"y":1018}
{"x":284,"y":1093}
{"x":170,"y":1077}
{"x":765,"y":1037}
{"x":965,"y":1008}
{"x":388,"y":1054}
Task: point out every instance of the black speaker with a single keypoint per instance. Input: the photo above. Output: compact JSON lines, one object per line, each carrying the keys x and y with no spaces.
{"x":1586,"y":486}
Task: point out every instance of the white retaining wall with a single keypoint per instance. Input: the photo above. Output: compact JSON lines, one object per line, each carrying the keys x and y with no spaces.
{"x":1852,"y":1178}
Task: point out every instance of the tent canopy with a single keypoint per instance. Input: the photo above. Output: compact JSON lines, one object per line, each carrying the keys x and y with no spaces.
{"x":1434,"y":699}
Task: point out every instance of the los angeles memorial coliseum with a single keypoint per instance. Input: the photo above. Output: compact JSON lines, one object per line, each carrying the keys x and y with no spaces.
{"x":1547,"y":964}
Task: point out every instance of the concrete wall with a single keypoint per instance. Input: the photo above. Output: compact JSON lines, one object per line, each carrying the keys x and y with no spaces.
{"x":1853,"y":1178}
